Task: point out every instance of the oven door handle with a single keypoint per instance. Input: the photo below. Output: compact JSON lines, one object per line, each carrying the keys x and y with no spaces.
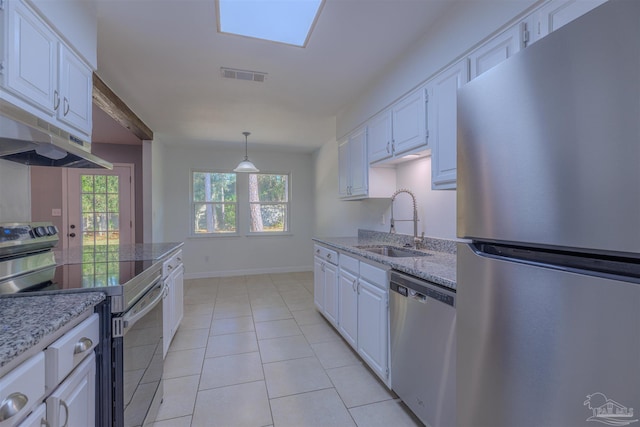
{"x":136,"y":313}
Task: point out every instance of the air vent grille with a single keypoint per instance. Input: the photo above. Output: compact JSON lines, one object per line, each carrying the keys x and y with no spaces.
{"x":254,"y":76}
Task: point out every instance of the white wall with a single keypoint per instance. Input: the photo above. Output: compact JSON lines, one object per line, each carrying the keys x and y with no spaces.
{"x":15,"y":192}
{"x":231,"y":255}
{"x":466,"y":25}
{"x":157,"y":191}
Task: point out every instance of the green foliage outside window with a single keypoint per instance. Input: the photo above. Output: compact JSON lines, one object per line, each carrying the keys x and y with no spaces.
{"x":214,"y":202}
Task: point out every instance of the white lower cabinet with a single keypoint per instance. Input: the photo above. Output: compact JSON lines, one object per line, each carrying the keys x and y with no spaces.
{"x":63,"y":375}
{"x":73,"y":403}
{"x":38,"y":418}
{"x":173,"y":299}
{"x":364,"y":311}
{"x":325,"y":282}
{"x":348,"y":307}
{"x":373,"y":321}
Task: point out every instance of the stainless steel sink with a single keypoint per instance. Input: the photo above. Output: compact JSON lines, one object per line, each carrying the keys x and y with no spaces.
{"x":392,"y":251}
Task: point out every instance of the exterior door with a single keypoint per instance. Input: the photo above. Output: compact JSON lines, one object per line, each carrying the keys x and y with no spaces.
{"x":100,"y":206}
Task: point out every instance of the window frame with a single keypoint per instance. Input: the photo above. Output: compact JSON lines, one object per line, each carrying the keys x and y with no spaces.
{"x":193,"y":203}
{"x":288,"y":231}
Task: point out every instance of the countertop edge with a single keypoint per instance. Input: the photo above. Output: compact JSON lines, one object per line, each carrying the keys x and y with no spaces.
{"x":437,"y":267}
{"x":21,"y":335}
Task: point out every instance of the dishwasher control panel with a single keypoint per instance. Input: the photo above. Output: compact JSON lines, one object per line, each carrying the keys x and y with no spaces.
{"x":421,"y":289}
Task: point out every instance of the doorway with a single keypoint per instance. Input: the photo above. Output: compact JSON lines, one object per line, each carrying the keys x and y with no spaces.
{"x":100,"y":207}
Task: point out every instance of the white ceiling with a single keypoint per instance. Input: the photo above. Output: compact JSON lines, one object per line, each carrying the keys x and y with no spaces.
{"x":163,"y":58}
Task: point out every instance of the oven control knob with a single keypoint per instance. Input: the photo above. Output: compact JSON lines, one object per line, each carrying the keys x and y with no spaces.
{"x":40,"y":231}
{"x":52,"y":230}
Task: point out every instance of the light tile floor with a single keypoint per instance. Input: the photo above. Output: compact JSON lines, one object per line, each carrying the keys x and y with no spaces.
{"x":253,"y":351}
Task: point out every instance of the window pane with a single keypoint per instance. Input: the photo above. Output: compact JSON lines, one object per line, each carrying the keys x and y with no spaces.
{"x":112,"y":184}
{"x":268,"y":188}
{"x":215,"y":218}
{"x":100,"y":184}
{"x":214,"y":187}
{"x":268,"y":218}
{"x":87,"y":183}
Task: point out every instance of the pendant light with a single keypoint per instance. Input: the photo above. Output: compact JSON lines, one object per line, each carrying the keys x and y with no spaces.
{"x":246,"y":165}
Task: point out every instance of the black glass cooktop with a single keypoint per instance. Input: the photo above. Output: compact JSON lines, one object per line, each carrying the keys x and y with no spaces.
{"x":91,"y":275}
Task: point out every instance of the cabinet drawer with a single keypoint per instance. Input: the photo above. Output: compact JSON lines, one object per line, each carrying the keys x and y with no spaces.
{"x":349,"y":263}
{"x":375,"y":275}
{"x":172,"y":263}
{"x":326,"y":254}
{"x":36,"y":418}
{"x":67,"y":352}
{"x":23,"y":386}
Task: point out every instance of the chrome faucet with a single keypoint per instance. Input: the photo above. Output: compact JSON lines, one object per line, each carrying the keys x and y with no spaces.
{"x":417,"y":241}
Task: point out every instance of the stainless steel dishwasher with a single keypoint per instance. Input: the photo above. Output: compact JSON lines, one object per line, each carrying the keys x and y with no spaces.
{"x":423,"y":348}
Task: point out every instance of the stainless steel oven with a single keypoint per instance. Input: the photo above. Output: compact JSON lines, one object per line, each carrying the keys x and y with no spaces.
{"x":138,"y":360}
{"x":129,"y":357}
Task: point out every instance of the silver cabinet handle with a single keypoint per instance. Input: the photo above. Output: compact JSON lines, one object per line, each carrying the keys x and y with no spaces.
{"x":322,"y":266}
{"x":317,"y":251}
{"x":179,"y":259}
{"x":66,"y":106}
{"x":66,"y":410}
{"x":82,"y":345}
{"x":12,"y":404}
{"x":388,"y":147}
{"x":328,"y":256}
{"x":56,"y":99}
{"x":353,"y":286}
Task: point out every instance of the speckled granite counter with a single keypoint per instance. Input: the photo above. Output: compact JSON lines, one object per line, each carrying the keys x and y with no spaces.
{"x":27,"y":321}
{"x":137,"y":252}
{"x":437,"y":267}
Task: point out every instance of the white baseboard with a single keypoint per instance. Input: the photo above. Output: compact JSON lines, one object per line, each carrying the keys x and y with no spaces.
{"x":247,"y":272}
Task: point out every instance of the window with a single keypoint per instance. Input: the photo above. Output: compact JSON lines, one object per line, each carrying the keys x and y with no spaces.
{"x":269,"y":202}
{"x":214,"y":203}
{"x":288,"y":22}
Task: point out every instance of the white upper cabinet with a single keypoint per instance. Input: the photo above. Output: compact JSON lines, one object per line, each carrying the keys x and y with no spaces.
{"x":398,"y":130}
{"x":555,"y":14}
{"x":443,"y":92}
{"x":352,"y":164}
{"x":409,"y":128}
{"x":495,"y":51}
{"x":380,"y":137}
{"x":31,"y":57}
{"x":76,"y":86}
{"x":41,"y":74}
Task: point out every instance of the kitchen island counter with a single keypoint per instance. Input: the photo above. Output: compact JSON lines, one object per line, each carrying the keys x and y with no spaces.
{"x":29,"y":323}
{"x":437,"y":266}
{"x":134,"y":252}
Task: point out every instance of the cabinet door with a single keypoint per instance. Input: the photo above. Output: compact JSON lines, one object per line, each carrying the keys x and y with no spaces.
{"x":31,"y":64}
{"x":558,"y":13}
{"x":379,"y":137}
{"x":331,"y":293}
{"x":409,"y":127}
{"x":358,"y":164}
{"x":73,"y":403}
{"x":373,"y":319}
{"x":344,"y":171}
{"x":443,"y":126}
{"x":38,"y":418}
{"x":495,"y":51}
{"x":76,"y":86}
{"x":348,"y":307}
{"x":318,"y":283}
{"x":166,"y":317}
{"x":177,"y":312}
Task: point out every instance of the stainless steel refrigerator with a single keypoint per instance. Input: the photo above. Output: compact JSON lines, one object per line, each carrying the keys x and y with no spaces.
{"x":549,"y":195}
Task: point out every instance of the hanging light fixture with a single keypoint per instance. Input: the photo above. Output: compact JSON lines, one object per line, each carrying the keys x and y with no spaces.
{"x":246,"y":165}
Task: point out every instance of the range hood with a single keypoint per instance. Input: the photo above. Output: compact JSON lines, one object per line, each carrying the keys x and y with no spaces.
{"x":27,"y":139}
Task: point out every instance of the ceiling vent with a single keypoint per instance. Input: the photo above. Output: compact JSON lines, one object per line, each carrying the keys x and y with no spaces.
{"x":254,"y":76}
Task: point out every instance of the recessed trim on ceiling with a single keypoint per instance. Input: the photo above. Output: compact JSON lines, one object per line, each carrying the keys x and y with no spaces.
{"x":290,"y":23}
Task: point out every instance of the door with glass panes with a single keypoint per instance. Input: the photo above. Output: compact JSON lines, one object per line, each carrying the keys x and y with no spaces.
{"x":100,"y":207}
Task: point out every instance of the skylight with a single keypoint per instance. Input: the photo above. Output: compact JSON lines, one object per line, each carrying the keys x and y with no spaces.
{"x":284,"y":21}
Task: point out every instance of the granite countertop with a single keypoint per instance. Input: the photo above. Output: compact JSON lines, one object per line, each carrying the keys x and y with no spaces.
{"x":27,"y":321}
{"x":135,"y":252}
{"x":437,"y":267}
